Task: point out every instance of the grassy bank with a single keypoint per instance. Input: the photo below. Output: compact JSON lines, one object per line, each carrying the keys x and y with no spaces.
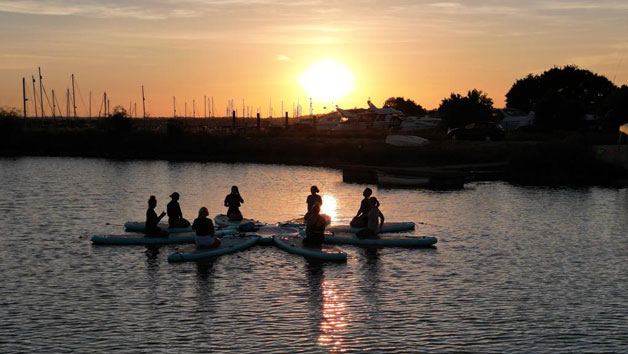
{"x":567,"y":160}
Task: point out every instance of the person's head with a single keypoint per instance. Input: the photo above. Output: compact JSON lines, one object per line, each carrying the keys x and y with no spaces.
{"x":374,"y":202}
{"x":203,"y":213}
{"x":316,"y":209}
{"x":314,"y":189}
{"x":234,"y":190}
{"x":367,"y":192}
{"x":174,"y":196}
{"x":152,"y":202}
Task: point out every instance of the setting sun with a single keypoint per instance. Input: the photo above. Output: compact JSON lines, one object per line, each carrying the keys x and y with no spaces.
{"x":327,"y":81}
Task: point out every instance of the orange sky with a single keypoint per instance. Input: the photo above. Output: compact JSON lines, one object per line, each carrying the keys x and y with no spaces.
{"x":256,"y":50}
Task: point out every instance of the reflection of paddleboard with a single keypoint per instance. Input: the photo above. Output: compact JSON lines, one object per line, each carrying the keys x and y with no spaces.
{"x":382,"y":240}
{"x":139,"y":226}
{"x":294,"y":244}
{"x":387,"y":227}
{"x":223,"y":220}
{"x":145,"y":240}
{"x":227,"y":245}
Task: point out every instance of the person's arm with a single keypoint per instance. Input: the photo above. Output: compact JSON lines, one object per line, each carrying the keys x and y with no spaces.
{"x":194,"y":225}
{"x":180,"y":211}
{"x":211,"y":228}
{"x":227,"y":201}
{"x":241,"y":200}
{"x":381,"y":224}
{"x":161,"y":216}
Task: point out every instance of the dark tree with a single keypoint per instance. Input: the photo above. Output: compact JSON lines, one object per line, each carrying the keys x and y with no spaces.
{"x":10,"y":123}
{"x":560,"y":97}
{"x":408,"y":107}
{"x":119,"y":112}
{"x":615,"y":108}
{"x":120,"y":121}
{"x":459,"y":110}
{"x":523,"y":93}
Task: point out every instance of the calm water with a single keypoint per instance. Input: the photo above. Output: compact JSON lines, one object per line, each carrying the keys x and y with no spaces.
{"x":516,"y":269}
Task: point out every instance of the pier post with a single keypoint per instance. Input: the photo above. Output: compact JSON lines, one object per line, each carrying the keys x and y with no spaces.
{"x":233,"y":115}
{"x":259,"y":123}
{"x":286,"y":120}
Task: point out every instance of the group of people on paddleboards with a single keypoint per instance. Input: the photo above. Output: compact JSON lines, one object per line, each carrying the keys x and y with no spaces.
{"x":369,"y":218}
{"x":202,"y":225}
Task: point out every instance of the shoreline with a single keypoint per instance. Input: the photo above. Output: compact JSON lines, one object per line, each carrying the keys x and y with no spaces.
{"x":550,"y":163}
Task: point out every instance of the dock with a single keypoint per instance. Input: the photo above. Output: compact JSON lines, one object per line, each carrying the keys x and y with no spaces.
{"x":436,"y":177}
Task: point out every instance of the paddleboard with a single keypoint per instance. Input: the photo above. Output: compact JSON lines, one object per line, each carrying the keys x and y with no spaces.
{"x":386,"y":228}
{"x":382,"y":240}
{"x":131,"y":239}
{"x":140,"y":226}
{"x":268,"y":231}
{"x":223,"y":220}
{"x":294,"y":244}
{"x":227,"y":245}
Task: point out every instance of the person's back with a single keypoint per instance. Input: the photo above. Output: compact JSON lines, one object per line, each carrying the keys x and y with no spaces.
{"x":374,"y":216}
{"x":315,"y":224}
{"x":175,"y":215}
{"x":313,"y":199}
{"x":375,"y":220}
{"x":204,"y":229}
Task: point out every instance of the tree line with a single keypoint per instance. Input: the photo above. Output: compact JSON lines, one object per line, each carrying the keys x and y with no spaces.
{"x":561,"y":97}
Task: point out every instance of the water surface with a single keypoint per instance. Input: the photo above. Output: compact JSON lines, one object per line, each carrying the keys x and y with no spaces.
{"x":516,"y":269}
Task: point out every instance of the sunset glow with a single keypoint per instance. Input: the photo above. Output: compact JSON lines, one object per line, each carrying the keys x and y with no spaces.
{"x":268,"y":52}
{"x":330,"y":206}
{"x":327,"y":81}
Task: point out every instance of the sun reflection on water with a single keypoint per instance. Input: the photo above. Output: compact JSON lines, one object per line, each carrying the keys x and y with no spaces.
{"x":334,"y":319}
{"x":329,"y":206}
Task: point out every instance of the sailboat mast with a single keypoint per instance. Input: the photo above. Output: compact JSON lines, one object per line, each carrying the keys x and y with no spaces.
{"x":24,"y":94}
{"x":143,"y":103}
{"x":41,"y":94}
{"x":34,"y":97}
{"x":204,"y":106}
{"x":174,"y":107}
{"x":73,"y":97}
{"x":54,"y":106}
{"x":90,"y":104}
{"x":67,"y":103}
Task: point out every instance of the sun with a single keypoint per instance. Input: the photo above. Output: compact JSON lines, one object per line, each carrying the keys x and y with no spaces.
{"x":327,"y":81}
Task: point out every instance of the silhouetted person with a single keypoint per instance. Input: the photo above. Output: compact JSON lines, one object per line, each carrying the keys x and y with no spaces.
{"x":175,"y":216}
{"x":361,"y":218}
{"x":204,"y":228}
{"x":315,"y":224}
{"x":375,"y":220}
{"x":313,"y":198}
{"x":233,"y":202}
{"x":152,"y":219}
